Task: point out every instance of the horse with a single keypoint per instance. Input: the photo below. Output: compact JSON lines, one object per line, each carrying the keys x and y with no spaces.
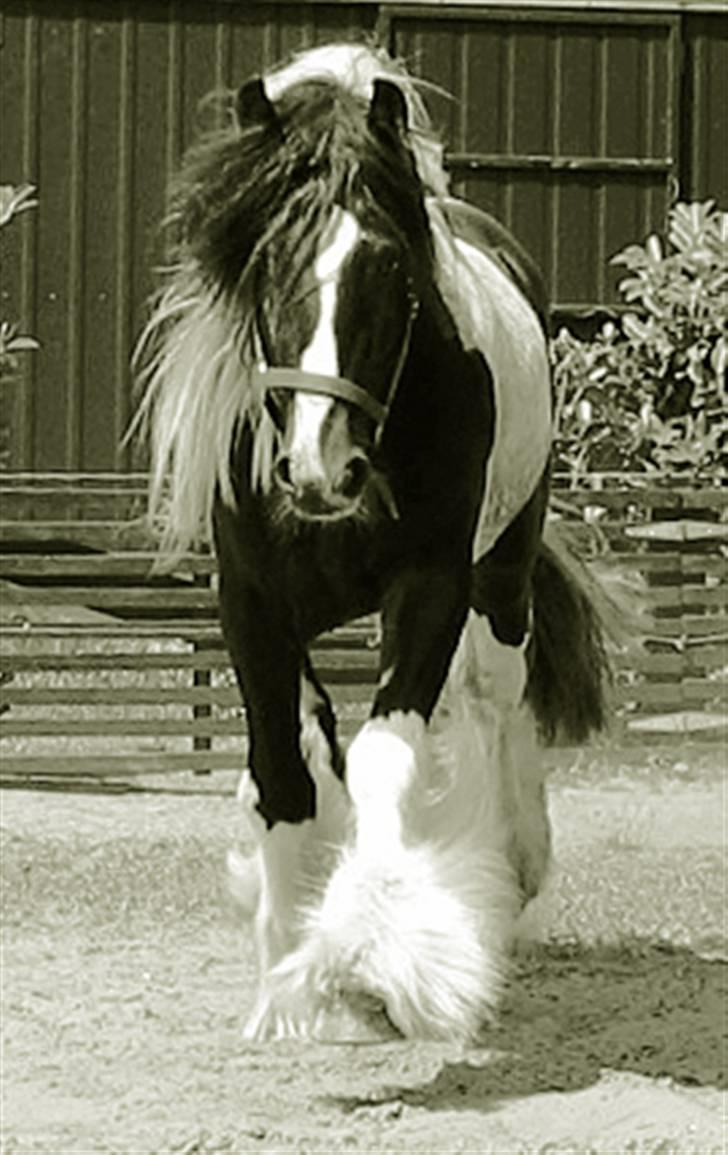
{"x":347,"y":391}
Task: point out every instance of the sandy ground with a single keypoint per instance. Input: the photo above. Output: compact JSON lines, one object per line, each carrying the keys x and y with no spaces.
{"x":126,"y":978}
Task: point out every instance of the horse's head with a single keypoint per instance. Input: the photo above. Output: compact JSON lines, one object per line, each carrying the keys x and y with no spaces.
{"x":335,"y":307}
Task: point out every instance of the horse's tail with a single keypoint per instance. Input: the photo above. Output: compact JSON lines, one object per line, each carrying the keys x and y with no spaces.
{"x":574,"y":614}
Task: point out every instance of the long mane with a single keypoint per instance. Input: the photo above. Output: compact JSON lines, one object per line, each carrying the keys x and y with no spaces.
{"x":238,"y":193}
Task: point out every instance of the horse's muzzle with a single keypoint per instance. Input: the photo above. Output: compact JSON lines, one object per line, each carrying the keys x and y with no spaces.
{"x":323,"y":497}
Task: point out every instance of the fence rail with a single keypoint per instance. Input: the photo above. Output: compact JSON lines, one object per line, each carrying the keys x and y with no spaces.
{"x":108,"y":670}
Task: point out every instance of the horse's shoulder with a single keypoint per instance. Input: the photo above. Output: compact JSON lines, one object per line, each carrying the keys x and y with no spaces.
{"x":478,"y":228}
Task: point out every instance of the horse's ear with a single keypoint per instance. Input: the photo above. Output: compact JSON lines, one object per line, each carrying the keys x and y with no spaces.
{"x":253,"y":107}
{"x":388,"y":109}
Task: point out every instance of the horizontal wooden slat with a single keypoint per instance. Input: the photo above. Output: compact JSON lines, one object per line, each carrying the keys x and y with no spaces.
{"x":677,"y":694}
{"x":11,"y":727}
{"x":116,"y":765}
{"x":119,"y":695}
{"x":690,"y":627}
{"x":126,"y":564}
{"x":351,"y":636}
{"x":94,"y":534}
{"x":692,"y":659}
{"x":203,"y":727}
{"x":688,"y":595}
{"x":692,"y":531}
{"x":345,"y":685}
{"x":203,"y":660}
{"x":179,"y":598}
{"x":542,"y":162}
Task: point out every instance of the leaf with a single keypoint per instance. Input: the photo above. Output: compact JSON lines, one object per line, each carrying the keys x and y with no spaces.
{"x":634,"y":257}
{"x":719,"y":357}
{"x":21,"y":344}
{"x":634,"y":328}
{"x":14,"y":200}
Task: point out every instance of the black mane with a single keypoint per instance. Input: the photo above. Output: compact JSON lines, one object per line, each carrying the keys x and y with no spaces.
{"x":242,"y":191}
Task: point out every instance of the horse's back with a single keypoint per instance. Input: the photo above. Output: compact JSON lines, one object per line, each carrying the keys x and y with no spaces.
{"x":484,"y":232}
{"x":495,"y":294}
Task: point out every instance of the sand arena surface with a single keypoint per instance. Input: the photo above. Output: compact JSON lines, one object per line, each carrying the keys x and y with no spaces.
{"x":126,"y":979}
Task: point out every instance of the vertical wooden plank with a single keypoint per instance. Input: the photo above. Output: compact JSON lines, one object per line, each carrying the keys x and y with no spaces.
{"x":530,"y":215}
{"x":508,"y":135}
{"x":532,"y":95}
{"x":55,"y":120}
{"x":577,"y":273}
{"x":175,"y":71}
{"x":77,"y":262}
{"x":251,"y":45}
{"x":105,"y":262}
{"x":485,"y":92}
{"x":550,"y":266}
{"x":345,"y":22}
{"x":579,"y":91}
{"x":705,"y":116}
{"x":429,"y":51}
{"x":200,"y":79}
{"x":124,"y":245}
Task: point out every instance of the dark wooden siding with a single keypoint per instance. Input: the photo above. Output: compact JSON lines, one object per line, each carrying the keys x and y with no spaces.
{"x":704,"y":154}
{"x":98,"y":100}
{"x":573,"y":126}
{"x":563,"y":125}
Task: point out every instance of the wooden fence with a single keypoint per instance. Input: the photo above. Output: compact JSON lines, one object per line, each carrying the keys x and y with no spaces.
{"x":107,"y":671}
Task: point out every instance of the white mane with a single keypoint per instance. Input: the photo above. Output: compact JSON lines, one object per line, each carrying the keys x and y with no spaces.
{"x":356,"y":67}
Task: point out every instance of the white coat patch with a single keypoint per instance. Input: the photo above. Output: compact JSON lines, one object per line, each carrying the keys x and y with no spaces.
{"x":381,"y":766}
{"x":492,"y":315}
{"x":321,"y":355}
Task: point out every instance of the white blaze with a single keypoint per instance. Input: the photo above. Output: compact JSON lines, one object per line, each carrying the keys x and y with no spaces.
{"x":321,"y":355}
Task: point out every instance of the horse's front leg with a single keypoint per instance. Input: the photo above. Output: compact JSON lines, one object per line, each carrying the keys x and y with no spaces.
{"x":290,"y":796}
{"x":419,"y":912}
{"x":422,"y":618}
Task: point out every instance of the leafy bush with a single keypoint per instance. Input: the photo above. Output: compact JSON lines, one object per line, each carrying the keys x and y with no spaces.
{"x":648,"y":392}
{"x":13,"y":201}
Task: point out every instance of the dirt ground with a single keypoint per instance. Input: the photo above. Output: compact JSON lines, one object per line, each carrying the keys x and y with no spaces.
{"x":126,"y":978}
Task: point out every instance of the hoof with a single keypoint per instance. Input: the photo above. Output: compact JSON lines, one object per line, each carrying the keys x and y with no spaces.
{"x":273,"y":1019}
{"x":355,"y":1018}
{"x":350,"y":1018}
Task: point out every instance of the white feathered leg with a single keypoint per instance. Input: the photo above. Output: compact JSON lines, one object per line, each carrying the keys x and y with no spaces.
{"x":277,"y":884}
{"x":450,"y":831}
{"x":489,"y":675}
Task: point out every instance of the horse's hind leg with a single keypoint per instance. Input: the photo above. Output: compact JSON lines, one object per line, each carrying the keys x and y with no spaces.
{"x":498,"y":635}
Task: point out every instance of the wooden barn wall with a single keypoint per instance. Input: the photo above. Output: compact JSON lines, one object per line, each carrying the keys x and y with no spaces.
{"x":704,"y":127}
{"x":563,"y":126}
{"x":571,"y":125}
{"x":99,"y":98}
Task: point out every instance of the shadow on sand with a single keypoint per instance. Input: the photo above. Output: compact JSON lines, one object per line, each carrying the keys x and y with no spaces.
{"x":574,"y":1011}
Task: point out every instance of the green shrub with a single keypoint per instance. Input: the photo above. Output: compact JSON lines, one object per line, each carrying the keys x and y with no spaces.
{"x":648,"y":392}
{"x":13,"y":201}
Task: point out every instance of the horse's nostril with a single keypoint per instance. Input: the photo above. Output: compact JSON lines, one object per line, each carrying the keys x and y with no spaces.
{"x":282,"y":473}
{"x":354,"y":477}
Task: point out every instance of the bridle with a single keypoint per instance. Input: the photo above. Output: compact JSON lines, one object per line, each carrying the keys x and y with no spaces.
{"x":269,"y":377}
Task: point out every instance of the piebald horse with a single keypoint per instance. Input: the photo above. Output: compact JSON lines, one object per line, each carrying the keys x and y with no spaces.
{"x":347,"y":390}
